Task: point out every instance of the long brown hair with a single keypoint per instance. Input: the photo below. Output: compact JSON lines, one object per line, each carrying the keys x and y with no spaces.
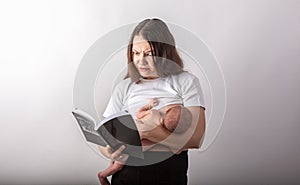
{"x":166,"y":58}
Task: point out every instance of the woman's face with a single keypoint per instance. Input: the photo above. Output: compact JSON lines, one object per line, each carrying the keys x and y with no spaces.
{"x":142,"y":58}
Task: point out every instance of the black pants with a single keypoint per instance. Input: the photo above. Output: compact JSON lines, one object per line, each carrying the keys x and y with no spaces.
{"x":172,"y":171}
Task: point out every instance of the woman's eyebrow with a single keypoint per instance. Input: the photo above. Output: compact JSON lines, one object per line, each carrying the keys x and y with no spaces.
{"x":146,"y":50}
{"x":135,"y":50}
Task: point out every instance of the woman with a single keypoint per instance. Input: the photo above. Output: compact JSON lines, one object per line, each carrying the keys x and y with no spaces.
{"x":155,"y":69}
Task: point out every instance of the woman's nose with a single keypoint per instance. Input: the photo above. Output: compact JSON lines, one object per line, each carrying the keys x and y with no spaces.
{"x":143,"y":61}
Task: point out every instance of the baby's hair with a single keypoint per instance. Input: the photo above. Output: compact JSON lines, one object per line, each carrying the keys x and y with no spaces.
{"x":179,"y":120}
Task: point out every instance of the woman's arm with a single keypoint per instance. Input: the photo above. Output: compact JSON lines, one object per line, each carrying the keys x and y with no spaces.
{"x":192,"y":138}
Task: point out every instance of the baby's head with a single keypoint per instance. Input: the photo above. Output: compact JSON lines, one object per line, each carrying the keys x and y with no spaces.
{"x":177,"y":118}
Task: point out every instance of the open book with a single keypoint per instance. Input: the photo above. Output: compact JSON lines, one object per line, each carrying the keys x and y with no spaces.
{"x":116,"y":130}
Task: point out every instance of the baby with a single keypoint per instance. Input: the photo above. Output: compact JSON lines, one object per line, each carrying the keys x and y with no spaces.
{"x":174,"y":118}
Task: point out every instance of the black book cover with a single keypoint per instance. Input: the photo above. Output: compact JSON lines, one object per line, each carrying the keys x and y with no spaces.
{"x":116,"y":130}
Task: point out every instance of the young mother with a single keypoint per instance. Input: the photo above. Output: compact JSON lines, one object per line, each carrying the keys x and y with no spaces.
{"x":155,"y":70}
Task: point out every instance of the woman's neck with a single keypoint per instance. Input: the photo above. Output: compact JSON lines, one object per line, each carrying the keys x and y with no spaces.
{"x":150,"y":77}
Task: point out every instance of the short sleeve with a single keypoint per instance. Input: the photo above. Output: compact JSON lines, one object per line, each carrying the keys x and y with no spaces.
{"x":190,"y":90}
{"x":116,"y":102}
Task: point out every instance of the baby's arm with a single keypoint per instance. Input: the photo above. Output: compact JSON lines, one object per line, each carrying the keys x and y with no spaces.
{"x":145,"y":113}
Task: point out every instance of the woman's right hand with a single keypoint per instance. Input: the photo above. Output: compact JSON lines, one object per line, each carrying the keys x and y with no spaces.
{"x":116,"y":155}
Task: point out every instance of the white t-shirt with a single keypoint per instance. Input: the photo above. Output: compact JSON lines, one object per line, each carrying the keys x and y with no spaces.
{"x":183,"y":88}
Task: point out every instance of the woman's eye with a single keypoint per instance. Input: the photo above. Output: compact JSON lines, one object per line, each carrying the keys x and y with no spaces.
{"x":149,"y":54}
{"x":136,"y":53}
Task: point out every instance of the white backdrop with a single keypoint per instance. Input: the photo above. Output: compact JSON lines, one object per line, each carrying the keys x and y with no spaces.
{"x":256,"y":43}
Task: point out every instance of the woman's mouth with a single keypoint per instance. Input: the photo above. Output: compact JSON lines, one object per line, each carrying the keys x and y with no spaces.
{"x":144,"y":69}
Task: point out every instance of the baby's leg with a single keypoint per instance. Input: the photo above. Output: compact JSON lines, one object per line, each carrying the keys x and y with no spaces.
{"x":112,"y":169}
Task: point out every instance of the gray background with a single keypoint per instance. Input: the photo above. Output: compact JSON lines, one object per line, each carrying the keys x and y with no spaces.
{"x":256,"y":43}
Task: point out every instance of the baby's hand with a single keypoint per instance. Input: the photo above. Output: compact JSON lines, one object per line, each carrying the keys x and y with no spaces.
{"x":153,"y":102}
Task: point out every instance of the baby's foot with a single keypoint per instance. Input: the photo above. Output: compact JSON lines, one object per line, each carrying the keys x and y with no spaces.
{"x":103,"y":180}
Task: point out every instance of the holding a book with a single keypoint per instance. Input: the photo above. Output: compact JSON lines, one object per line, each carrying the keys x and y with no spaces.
{"x":155,"y":70}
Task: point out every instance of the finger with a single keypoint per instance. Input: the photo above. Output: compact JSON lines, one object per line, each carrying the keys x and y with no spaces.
{"x":116,"y":154}
{"x":108,"y":149}
{"x":122,"y":158}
